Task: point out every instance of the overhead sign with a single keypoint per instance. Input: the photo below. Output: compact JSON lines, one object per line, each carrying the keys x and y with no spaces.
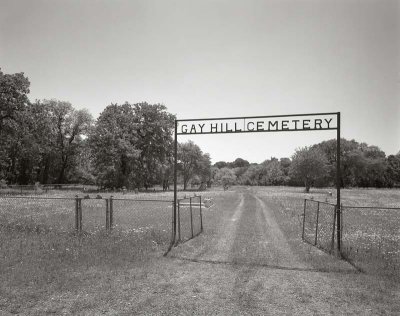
{"x":310,"y":122}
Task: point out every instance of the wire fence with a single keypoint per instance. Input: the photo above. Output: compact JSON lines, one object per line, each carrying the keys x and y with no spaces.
{"x":319,"y":222}
{"x":85,"y":214}
{"x":370,"y":236}
{"x":190,"y":218}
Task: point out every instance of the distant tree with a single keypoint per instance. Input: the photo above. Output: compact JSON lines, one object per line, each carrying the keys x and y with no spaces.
{"x":220,"y":164}
{"x":393,"y":169}
{"x":193,"y":162}
{"x":239,"y":163}
{"x":308,"y":165}
{"x":225,"y":177}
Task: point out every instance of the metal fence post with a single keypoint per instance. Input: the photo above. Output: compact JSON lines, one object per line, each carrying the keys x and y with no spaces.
{"x":76,"y":213}
{"x":316,"y":226}
{"x":333,"y":229}
{"x":107,"y":215}
{"x":304,"y":218}
{"x":179,"y":221}
{"x":111,"y":212}
{"x":201,"y":216}
{"x":80,"y":214}
{"x":191,"y":215}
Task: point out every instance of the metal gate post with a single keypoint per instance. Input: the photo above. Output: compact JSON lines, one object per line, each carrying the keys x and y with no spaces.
{"x":333,"y":229}
{"x":338,"y":180}
{"x":111,"y":212}
{"x":107,"y":215}
{"x":76,"y":213}
{"x":191,"y":215}
{"x":179,"y":221}
{"x":201,"y":216}
{"x":316,"y":226}
{"x":175,"y":177}
{"x":304,"y":217}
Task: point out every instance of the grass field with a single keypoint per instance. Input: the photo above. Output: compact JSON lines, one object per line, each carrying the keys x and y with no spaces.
{"x":41,"y":254}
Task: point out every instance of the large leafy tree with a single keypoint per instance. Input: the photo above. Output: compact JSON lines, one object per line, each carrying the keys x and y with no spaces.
{"x":154,"y":140}
{"x":131,"y":145}
{"x":13,"y":96}
{"x":308,"y":165}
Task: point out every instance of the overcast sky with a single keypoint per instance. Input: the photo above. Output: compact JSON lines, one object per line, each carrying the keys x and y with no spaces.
{"x":217,"y":58}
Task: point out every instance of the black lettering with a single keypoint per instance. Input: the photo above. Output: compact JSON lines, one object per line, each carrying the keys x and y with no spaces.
{"x":193,"y":129}
{"x":201,"y":127}
{"x":305,"y":124}
{"x":260,"y":126}
{"x":226,"y":128}
{"x":275,"y":123}
{"x":184,"y":128}
{"x":317,"y":122}
{"x":284,"y":125}
{"x":237,"y":129}
{"x":328,"y":122}
{"x":295,"y":123}
{"x":214,"y":128}
{"x":248,"y":128}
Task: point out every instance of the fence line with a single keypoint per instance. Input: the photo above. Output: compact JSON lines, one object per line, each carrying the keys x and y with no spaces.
{"x":370,"y":235}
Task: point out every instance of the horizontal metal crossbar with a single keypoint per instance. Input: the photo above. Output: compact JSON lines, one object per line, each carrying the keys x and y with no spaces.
{"x":261,"y":131}
{"x":254,"y":117}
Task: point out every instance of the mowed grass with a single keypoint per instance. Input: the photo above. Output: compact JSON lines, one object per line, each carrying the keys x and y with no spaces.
{"x":370,"y":237}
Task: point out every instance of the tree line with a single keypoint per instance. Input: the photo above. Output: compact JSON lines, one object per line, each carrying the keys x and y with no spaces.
{"x":361,"y":166}
{"x":128,"y":145}
{"x":131,"y":146}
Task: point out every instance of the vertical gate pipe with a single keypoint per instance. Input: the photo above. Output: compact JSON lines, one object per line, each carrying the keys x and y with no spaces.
{"x":316,"y":226}
{"x":201,"y":216}
{"x":304,"y":217}
{"x":191,"y":215}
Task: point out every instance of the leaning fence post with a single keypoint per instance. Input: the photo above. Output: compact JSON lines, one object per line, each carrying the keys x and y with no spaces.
{"x":107,"y":215}
{"x":316,"y":226}
{"x":191,"y":215}
{"x":304,"y":218}
{"x":111,"y":212}
{"x":76,"y":213}
{"x":201,"y":216}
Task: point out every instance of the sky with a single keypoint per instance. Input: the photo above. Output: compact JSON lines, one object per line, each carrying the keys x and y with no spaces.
{"x":215,"y":59}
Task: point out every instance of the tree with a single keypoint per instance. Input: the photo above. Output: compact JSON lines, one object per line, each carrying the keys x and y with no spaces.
{"x":13,"y":96}
{"x":193,"y":162}
{"x":154,"y":133}
{"x":132,"y":145}
{"x":393,"y":169}
{"x":308,"y":165}
{"x":113,"y":143}
{"x":225,"y":177}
